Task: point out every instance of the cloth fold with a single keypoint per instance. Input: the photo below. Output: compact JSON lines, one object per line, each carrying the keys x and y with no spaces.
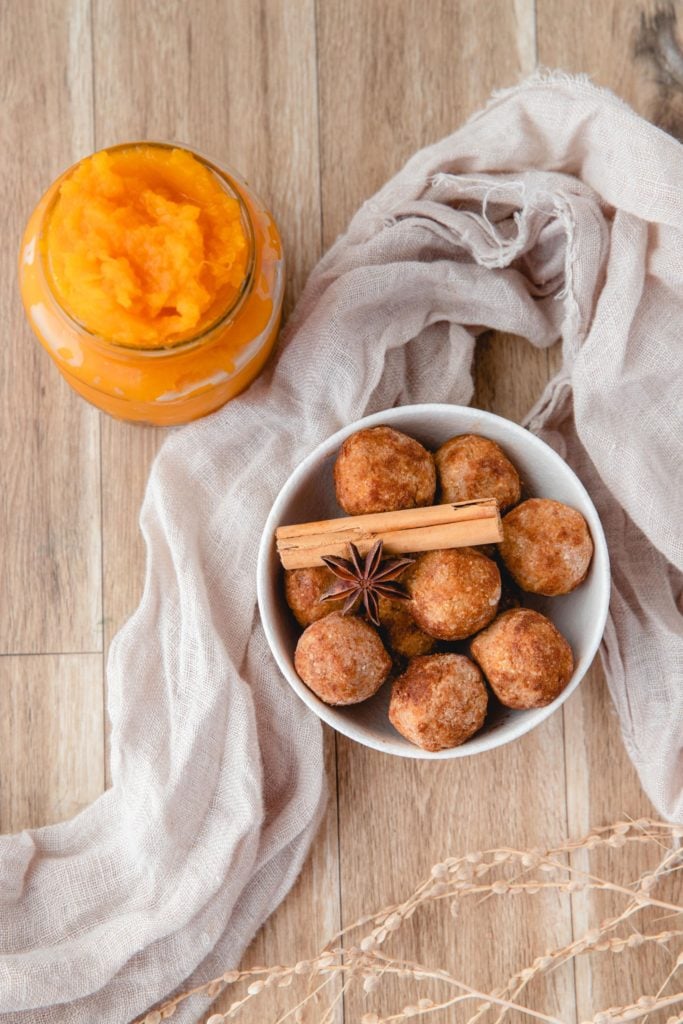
{"x":555,"y":212}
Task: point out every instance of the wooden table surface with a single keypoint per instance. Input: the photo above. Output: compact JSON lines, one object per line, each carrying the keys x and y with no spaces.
{"x":316,"y":104}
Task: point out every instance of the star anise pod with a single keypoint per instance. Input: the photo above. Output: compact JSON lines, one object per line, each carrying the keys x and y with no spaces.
{"x":364,"y":579}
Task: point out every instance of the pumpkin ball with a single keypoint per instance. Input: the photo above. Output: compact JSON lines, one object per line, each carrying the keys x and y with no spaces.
{"x":525,"y":658}
{"x":471,"y":467}
{"x":454,"y":593}
{"x":342,"y":659}
{"x":401,"y":632}
{"x":383,"y":470}
{"x":303,"y":590}
{"x":546,"y":546}
{"x":439,"y":701}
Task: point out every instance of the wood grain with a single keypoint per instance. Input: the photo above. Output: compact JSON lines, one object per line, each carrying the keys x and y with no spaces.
{"x":242,"y":90}
{"x":50,"y":596}
{"x":601,"y":787}
{"x":316,"y":104}
{"x":601,"y":782}
{"x":51,"y":740}
{"x":612,"y":42}
{"x":396,"y":76}
{"x":404,"y":90}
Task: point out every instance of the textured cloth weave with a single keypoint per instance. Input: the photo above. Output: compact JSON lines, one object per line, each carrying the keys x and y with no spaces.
{"x":554,"y":212}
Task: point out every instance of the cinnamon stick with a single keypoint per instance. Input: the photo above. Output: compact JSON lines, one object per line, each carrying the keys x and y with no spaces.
{"x":411,"y":530}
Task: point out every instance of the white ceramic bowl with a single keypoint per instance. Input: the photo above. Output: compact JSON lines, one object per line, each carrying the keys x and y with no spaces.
{"x":309,"y":495}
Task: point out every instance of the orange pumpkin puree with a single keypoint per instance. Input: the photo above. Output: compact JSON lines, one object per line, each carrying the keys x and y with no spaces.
{"x":144,"y":246}
{"x":155,"y":281}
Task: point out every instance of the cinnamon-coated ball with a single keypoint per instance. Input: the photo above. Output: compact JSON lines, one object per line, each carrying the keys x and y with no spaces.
{"x":303,"y":590}
{"x":383,"y":470}
{"x":525,"y":658}
{"x":400,"y":631}
{"x":471,"y":467}
{"x":546,"y":546}
{"x":342,"y":659}
{"x":439,"y":701}
{"x":453,"y":592}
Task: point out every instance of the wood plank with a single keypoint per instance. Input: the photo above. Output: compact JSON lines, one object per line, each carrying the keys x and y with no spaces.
{"x":393,"y":67}
{"x":394,"y":77}
{"x":51,"y":706}
{"x":602,"y":787}
{"x":398,"y":818}
{"x":235,"y":94}
{"x":303,"y":923}
{"x":601,"y":782}
{"x":49,"y":473}
{"x":616,"y":44}
{"x":239,"y":84}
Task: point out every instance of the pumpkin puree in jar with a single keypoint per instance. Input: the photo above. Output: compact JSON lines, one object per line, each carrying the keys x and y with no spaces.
{"x":155,"y":281}
{"x":144,"y":246}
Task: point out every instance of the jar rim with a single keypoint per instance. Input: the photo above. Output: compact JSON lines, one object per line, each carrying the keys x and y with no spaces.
{"x":230,"y":182}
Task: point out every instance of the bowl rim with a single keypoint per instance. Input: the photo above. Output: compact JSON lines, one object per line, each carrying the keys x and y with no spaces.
{"x":528,"y":720}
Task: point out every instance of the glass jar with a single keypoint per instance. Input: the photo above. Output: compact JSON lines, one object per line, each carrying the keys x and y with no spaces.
{"x":177,"y":380}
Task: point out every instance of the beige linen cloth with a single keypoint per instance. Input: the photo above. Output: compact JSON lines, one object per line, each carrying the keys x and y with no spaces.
{"x":554,"y":212}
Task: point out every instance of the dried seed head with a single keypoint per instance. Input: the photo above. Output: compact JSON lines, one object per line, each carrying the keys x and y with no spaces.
{"x":370,"y":983}
{"x":256,"y":987}
{"x":154,"y":1017}
{"x":230,"y":977}
{"x":216,"y":1018}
